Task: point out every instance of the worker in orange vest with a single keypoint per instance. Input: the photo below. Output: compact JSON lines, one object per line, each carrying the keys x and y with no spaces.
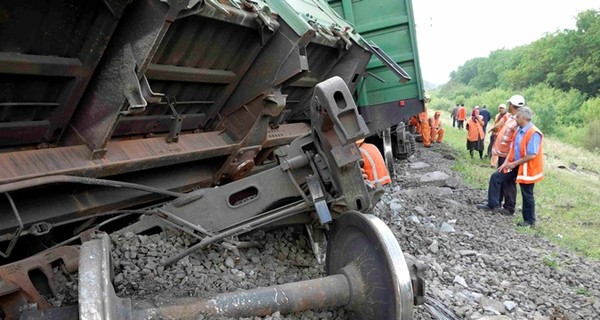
{"x":421,"y":123}
{"x":373,"y":164}
{"x":524,"y":163}
{"x":475,"y":135}
{"x":437,"y":132}
{"x":461,"y":116}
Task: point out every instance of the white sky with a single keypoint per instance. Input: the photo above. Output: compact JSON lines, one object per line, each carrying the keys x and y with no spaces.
{"x":450,"y":32}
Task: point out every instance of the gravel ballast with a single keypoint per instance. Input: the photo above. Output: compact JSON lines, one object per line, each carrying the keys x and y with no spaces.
{"x":479,"y":265}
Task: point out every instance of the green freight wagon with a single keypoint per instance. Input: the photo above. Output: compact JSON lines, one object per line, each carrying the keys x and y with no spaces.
{"x":389,"y":24}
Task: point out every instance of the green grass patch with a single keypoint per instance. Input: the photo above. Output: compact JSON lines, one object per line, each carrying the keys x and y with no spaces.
{"x":567,"y":205}
{"x":551,"y":261}
{"x":583,"y":291}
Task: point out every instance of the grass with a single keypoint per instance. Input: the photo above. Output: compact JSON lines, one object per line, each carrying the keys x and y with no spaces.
{"x":551,"y":261}
{"x":583,"y":292}
{"x":567,"y":200}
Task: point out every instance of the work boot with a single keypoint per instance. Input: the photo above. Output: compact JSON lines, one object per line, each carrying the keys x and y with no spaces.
{"x":503,"y":212}
{"x":484,"y":207}
{"x":526,"y":224}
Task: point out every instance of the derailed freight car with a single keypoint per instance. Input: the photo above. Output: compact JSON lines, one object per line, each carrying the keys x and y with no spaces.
{"x":145,"y":105}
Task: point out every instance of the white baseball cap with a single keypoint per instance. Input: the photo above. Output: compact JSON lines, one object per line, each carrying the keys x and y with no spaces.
{"x":517,"y":100}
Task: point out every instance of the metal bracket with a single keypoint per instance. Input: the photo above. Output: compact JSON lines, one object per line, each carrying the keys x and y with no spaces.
{"x":176,"y":122}
{"x":333,"y":105}
{"x":17,"y":288}
{"x":15,"y":237}
{"x":139,"y":95}
{"x":218,"y":6}
{"x":318,"y":199}
{"x":388,"y":61}
{"x":343,"y":35}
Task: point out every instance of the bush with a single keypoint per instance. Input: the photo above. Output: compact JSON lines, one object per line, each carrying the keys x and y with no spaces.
{"x":591,"y":109}
{"x":592,"y":140}
{"x":576,"y":136}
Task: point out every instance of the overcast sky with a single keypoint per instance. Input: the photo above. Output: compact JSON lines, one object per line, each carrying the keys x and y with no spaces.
{"x":450,"y":32}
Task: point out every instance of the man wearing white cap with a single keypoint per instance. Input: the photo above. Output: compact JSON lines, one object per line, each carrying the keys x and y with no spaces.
{"x":506,"y":130}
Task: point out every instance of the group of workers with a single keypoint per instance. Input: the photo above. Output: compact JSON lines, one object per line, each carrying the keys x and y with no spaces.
{"x":515,"y":147}
{"x":517,"y":144}
{"x":430,"y":128}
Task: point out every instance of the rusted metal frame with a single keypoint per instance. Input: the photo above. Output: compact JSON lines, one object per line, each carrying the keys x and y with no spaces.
{"x":28,"y":64}
{"x":247,"y":121}
{"x":221,"y":208}
{"x":187,"y":74}
{"x":65,"y":204}
{"x":336,"y":125}
{"x":124,"y":156}
{"x":249,"y":125}
{"x":132,"y":47}
{"x":282,"y":59}
{"x":243,"y":69}
{"x":26,"y":131}
{"x":14,"y":237}
{"x":129,"y":155}
{"x":136,"y":125}
{"x":16,"y":287}
{"x":349,"y":66}
{"x":36,"y":182}
{"x":97,"y":40}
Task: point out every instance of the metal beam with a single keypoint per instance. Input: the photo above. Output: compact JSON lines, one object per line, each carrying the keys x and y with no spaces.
{"x":130,"y":155}
{"x":187,"y":74}
{"x":16,"y":63}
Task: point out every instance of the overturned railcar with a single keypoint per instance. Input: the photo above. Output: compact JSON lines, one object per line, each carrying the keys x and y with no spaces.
{"x":145,"y":106}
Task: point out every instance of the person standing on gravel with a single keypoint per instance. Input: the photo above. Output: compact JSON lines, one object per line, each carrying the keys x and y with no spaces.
{"x":507,"y":127}
{"x":475,"y":133}
{"x":524,"y":163}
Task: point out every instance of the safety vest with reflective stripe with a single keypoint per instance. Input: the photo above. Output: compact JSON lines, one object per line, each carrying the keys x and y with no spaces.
{"x":374,"y":165}
{"x":505,"y":137}
{"x":531,"y":171}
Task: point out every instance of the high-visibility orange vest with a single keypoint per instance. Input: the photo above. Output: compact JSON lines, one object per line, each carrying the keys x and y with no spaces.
{"x":531,"y":171}
{"x":461,"y":114}
{"x":374,"y":165}
{"x":505,"y":137}
{"x":500,"y":116}
{"x":474,"y":130}
{"x":435,"y":123}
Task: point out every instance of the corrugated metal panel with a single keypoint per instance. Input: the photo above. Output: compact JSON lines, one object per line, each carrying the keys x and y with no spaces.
{"x":390,"y":25}
{"x":48,"y":53}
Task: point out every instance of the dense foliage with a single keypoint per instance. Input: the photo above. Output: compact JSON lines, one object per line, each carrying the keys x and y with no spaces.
{"x":559,"y":75}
